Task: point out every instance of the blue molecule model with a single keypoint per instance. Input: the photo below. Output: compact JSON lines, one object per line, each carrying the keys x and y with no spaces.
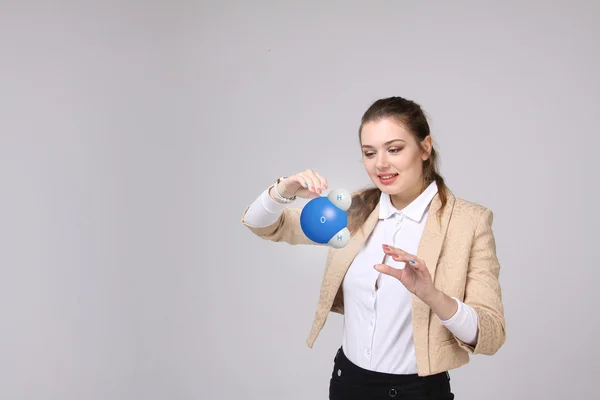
{"x":324,"y":219}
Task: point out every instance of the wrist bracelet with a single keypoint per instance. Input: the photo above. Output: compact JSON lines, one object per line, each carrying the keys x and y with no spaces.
{"x":278,"y":197}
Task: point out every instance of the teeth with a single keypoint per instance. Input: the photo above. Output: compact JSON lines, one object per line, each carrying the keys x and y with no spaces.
{"x":388,"y":176}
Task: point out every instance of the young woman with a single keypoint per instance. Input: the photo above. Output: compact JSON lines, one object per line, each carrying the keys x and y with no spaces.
{"x":418,"y":281}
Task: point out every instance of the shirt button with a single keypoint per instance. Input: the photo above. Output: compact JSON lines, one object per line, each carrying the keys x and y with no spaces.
{"x":368,"y":351}
{"x":373,"y":294}
{"x":371,"y":323}
{"x":393,"y":392}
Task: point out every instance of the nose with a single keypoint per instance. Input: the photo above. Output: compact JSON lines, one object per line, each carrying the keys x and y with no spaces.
{"x":382,"y":162}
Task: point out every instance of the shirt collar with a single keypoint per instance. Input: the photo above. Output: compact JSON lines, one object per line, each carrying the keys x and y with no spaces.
{"x":415,"y":210}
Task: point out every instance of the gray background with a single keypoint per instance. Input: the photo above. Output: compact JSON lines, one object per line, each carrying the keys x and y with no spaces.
{"x":134,"y":134}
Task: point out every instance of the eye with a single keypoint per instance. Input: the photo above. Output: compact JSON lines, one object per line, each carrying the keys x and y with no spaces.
{"x":395,"y":150}
{"x":369,"y":154}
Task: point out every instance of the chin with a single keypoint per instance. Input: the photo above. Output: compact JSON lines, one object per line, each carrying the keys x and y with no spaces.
{"x":389,"y":189}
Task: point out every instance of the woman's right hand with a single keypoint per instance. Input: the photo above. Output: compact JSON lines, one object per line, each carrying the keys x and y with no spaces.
{"x":307,"y":184}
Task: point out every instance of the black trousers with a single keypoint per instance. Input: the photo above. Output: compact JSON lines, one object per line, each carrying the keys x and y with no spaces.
{"x":351,"y":382}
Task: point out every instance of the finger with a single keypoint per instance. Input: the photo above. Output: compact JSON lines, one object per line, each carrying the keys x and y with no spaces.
{"x":305,"y":182}
{"x":322,"y":179}
{"x":414,"y":262}
{"x":393,"y":250}
{"x":403,"y":262}
{"x":417,"y":265}
{"x":317,"y":179}
{"x":386,"y":269}
{"x":396,"y":251}
{"x":310,"y":177}
{"x":421,"y":268}
{"x":404,"y":257}
{"x":400,"y":258}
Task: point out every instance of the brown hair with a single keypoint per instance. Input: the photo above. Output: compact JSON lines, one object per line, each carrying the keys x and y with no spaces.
{"x":412,"y":117}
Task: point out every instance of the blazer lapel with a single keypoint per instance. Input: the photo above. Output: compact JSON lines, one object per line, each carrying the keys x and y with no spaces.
{"x":434,"y":232}
{"x":429,"y":250}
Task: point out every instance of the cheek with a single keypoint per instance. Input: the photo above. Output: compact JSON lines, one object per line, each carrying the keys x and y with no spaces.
{"x":408,"y":161}
{"x":402,"y":163}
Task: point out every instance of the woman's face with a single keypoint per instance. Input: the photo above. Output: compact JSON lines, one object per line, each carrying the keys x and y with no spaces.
{"x":393,"y":158}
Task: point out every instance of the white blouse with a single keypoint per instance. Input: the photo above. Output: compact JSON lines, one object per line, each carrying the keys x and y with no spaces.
{"x":377,"y":318}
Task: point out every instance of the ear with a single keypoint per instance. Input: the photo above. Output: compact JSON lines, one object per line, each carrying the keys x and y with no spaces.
{"x":426,"y":146}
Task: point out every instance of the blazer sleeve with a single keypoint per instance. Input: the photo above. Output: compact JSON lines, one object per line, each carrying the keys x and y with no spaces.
{"x":286,"y":229}
{"x":483,"y":291}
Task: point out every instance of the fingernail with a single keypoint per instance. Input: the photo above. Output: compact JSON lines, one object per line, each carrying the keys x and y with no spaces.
{"x":306,"y":185}
{"x":411,"y":261}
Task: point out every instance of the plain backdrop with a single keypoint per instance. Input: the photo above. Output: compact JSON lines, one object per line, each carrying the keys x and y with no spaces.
{"x":134,"y":134}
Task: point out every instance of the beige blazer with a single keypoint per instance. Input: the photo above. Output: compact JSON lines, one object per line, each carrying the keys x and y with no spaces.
{"x":461,"y":257}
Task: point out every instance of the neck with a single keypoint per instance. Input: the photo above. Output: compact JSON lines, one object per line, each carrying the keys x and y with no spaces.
{"x":401,"y":200}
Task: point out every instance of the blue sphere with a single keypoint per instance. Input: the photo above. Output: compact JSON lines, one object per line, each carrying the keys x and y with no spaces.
{"x":321,"y":220}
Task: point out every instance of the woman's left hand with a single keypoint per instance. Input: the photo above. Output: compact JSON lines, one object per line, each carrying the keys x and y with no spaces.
{"x":415,"y":276}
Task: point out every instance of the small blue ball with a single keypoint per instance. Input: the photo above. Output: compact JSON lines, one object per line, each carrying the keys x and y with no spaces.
{"x":321,"y":219}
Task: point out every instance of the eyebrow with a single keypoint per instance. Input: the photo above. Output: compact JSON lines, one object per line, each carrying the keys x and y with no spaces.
{"x":388,"y":142}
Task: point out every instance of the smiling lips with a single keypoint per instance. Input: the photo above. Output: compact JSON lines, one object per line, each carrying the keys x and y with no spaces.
{"x":387,"y":179}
